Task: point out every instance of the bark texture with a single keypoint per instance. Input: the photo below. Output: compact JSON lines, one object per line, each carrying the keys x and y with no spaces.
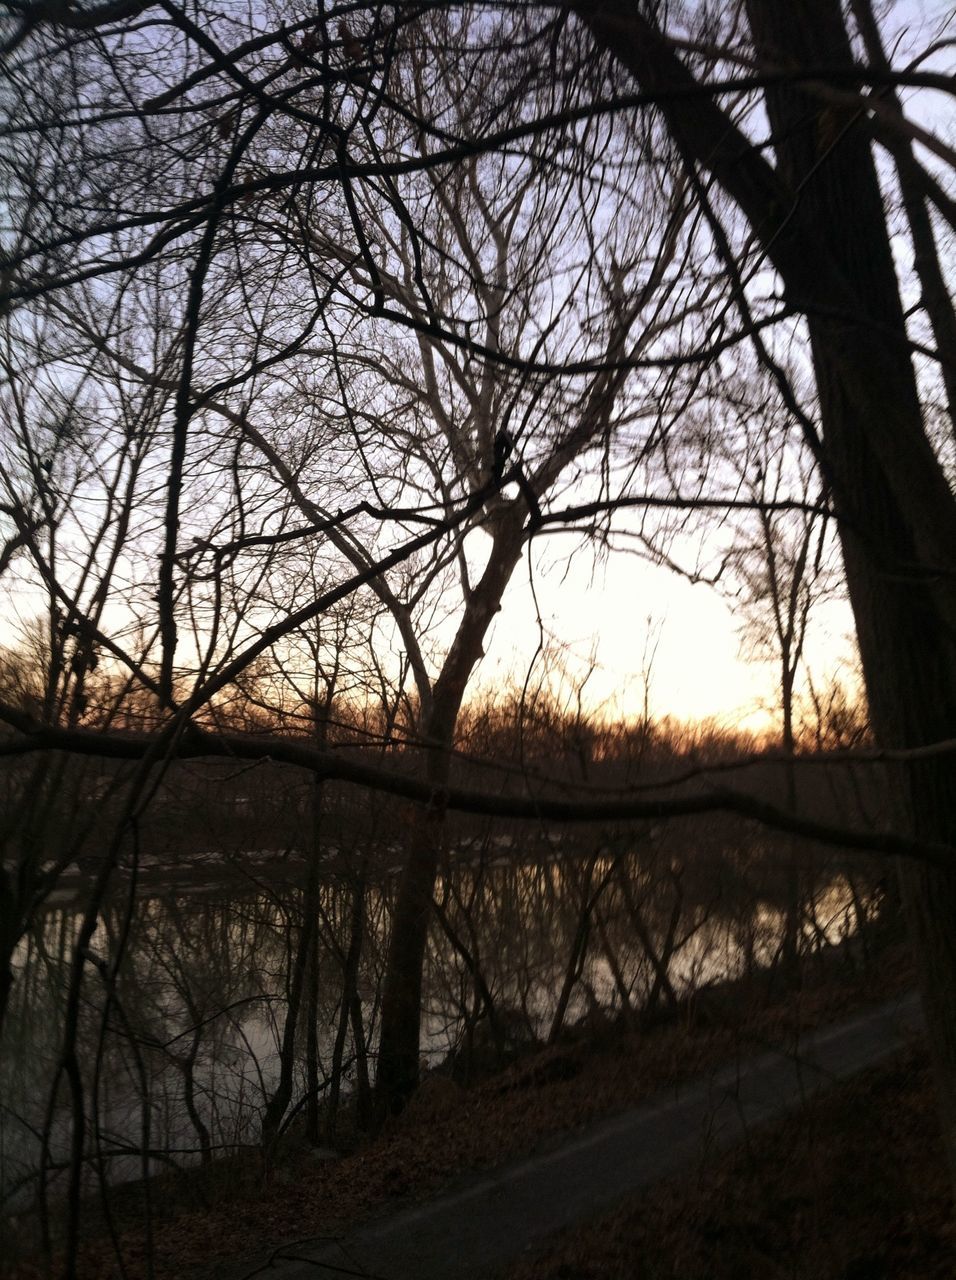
{"x":820,"y":218}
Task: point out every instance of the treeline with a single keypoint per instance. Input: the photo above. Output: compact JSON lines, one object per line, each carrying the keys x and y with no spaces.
{"x":246,"y":934}
{"x":514,"y":743}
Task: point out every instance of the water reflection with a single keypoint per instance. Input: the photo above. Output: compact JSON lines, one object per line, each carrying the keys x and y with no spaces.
{"x":181,"y":1054}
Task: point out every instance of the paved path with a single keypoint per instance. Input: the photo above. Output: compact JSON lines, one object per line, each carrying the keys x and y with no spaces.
{"x":493,"y":1218}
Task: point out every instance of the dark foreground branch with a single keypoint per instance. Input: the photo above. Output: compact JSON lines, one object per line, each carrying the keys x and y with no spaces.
{"x":627,"y":806}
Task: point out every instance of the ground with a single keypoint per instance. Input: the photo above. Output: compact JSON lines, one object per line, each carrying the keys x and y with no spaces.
{"x":844,"y":1188}
{"x":853,"y":1188}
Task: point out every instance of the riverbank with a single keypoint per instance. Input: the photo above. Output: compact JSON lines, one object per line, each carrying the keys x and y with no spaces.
{"x":493,"y":1219}
{"x":239,"y":1205}
{"x":853,"y":1186}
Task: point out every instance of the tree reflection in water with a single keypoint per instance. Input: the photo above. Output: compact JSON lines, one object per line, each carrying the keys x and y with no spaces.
{"x":183,"y":1060}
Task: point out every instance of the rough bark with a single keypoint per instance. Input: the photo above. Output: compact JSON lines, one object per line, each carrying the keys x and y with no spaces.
{"x":903,"y":612}
{"x":820,"y":219}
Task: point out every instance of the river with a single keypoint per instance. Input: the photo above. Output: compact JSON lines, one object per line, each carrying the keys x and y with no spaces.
{"x":183,"y":1052}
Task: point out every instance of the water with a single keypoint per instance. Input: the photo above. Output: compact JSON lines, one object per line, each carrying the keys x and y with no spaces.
{"x":186,"y":1052}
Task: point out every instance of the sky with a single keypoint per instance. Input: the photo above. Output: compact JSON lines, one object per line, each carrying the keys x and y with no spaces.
{"x":628,"y":614}
{"x":699,"y":670}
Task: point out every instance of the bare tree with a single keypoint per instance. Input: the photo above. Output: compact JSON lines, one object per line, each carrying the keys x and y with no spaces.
{"x":381,"y":296}
{"x":817,"y":217}
{"x":779,"y":570}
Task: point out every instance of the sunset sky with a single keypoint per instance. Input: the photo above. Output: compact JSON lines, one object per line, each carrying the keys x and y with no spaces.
{"x":700,"y":669}
{"x":701,"y":665}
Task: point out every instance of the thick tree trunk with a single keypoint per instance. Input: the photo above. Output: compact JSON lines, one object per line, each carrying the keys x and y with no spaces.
{"x":821,"y":220}
{"x":903,"y":605}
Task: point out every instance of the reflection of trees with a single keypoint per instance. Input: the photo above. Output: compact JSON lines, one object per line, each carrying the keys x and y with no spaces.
{"x":192,"y":977}
{"x":447,"y":262}
{"x":518,"y":947}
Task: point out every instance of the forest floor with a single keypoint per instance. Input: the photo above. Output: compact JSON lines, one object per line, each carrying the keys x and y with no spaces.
{"x":853,"y":1186}
{"x":746,"y":1206}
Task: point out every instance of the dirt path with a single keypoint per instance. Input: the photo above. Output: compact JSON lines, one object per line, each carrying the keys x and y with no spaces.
{"x":490,"y":1220}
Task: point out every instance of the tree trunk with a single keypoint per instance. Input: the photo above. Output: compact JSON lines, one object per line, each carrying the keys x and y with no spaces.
{"x":350,"y":975}
{"x":793,"y":893}
{"x":10,"y":933}
{"x":312,"y":1005}
{"x":821,"y":221}
{"x":300,"y":961}
{"x":397,"y":1076}
{"x":903,"y":602}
